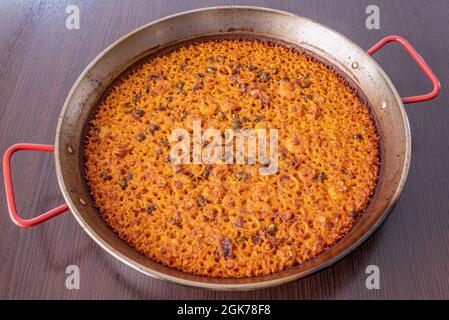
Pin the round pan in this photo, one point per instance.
(355, 64)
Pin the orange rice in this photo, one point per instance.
(228, 220)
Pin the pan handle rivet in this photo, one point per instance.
(355, 65)
(70, 149)
(383, 105)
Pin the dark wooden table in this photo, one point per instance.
(40, 60)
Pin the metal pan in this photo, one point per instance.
(345, 56)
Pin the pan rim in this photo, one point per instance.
(218, 283)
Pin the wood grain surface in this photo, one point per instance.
(40, 60)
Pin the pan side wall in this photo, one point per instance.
(315, 38)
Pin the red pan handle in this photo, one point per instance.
(421, 63)
(10, 200)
